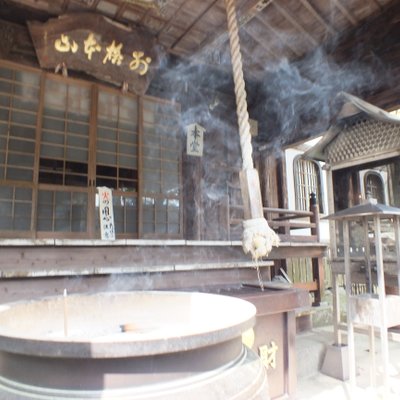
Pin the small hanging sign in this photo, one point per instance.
(194, 140)
(253, 127)
(107, 227)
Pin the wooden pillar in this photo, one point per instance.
(397, 236)
(317, 263)
(193, 210)
(251, 194)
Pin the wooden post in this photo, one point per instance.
(192, 191)
(224, 218)
(251, 194)
(314, 208)
(317, 264)
(397, 236)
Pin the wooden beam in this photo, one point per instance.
(251, 194)
(378, 5)
(245, 14)
(145, 15)
(121, 9)
(306, 4)
(279, 36)
(262, 43)
(65, 6)
(169, 22)
(247, 53)
(293, 21)
(190, 27)
(94, 4)
(250, 10)
(310, 286)
(350, 17)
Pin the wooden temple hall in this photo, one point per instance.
(160, 168)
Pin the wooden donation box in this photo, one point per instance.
(273, 336)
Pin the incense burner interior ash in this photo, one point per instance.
(129, 345)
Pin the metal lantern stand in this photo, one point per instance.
(374, 312)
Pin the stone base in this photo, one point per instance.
(336, 362)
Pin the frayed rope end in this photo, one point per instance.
(258, 238)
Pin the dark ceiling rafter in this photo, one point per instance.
(263, 43)
(170, 21)
(121, 9)
(145, 15)
(197, 30)
(65, 5)
(251, 9)
(279, 36)
(255, 63)
(194, 23)
(94, 4)
(306, 4)
(345, 12)
(378, 5)
(286, 14)
(245, 13)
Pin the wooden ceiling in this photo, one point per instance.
(270, 30)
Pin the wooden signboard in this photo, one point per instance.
(97, 46)
(194, 140)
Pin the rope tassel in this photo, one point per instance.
(258, 237)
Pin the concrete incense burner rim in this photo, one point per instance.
(129, 345)
(122, 324)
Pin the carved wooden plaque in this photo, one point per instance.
(98, 46)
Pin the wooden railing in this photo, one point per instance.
(284, 222)
(299, 232)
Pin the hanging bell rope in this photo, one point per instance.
(258, 237)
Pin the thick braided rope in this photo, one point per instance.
(258, 237)
(240, 91)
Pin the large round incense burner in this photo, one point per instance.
(129, 345)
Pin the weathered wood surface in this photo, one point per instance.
(75, 259)
(16, 43)
(31, 288)
(251, 194)
(270, 31)
(99, 47)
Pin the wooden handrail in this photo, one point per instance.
(293, 213)
(285, 220)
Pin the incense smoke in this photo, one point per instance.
(299, 99)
